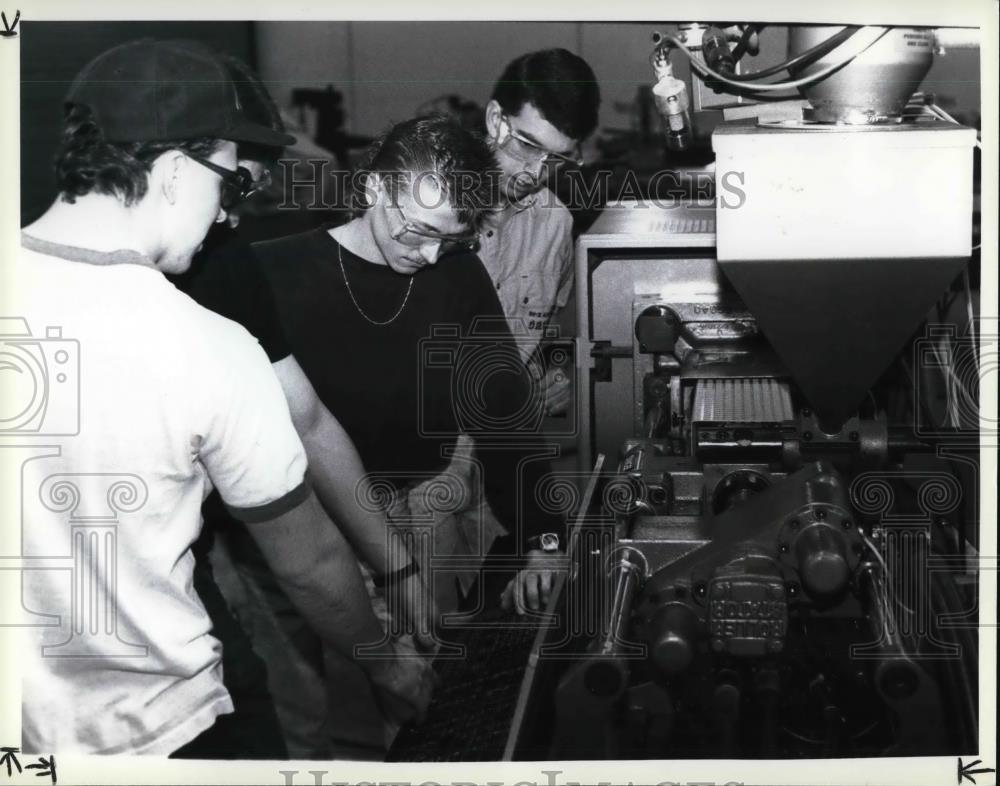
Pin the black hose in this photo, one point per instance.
(810, 54)
(741, 46)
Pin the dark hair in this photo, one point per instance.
(459, 159)
(558, 84)
(87, 163)
(257, 105)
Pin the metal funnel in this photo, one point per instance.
(840, 239)
(838, 323)
(875, 86)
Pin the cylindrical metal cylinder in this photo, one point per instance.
(673, 638)
(625, 573)
(822, 557)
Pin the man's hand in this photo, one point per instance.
(412, 601)
(556, 390)
(403, 684)
(531, 587)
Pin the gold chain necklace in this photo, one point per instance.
(357, 305)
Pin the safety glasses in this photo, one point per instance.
(528, 151)
(410, 234)
(237, 184)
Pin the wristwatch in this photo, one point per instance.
(547, 541)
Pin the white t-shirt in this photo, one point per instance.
(528, 252)
(172, 399)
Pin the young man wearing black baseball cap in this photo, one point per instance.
(172, 399)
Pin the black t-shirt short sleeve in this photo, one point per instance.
(226, 278)
(406, 363)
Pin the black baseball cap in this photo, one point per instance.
(161, 91)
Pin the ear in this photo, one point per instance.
(494, 113)
(164, 176)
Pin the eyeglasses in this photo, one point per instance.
(237, 184)
(527, 151)
(410, 234)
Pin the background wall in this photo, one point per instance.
(387, 69)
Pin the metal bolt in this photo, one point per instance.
(846, 523)
(807, 436)
(783, 548)
(793, 589)
(794, 523)
(820, 514)
(699, 590)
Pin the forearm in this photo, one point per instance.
(318, 571)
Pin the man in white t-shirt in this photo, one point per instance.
(173, 399)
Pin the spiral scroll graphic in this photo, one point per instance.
(939, 494)
(59, 494)
(374, 495)
(620, 496)
(128, 494)
(557, 494)
(872, 493)
(446, 494)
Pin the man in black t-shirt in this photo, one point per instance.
(223, 280)
(398, 330)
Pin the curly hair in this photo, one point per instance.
(87, 163)
(558, 84)
(458, 159)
